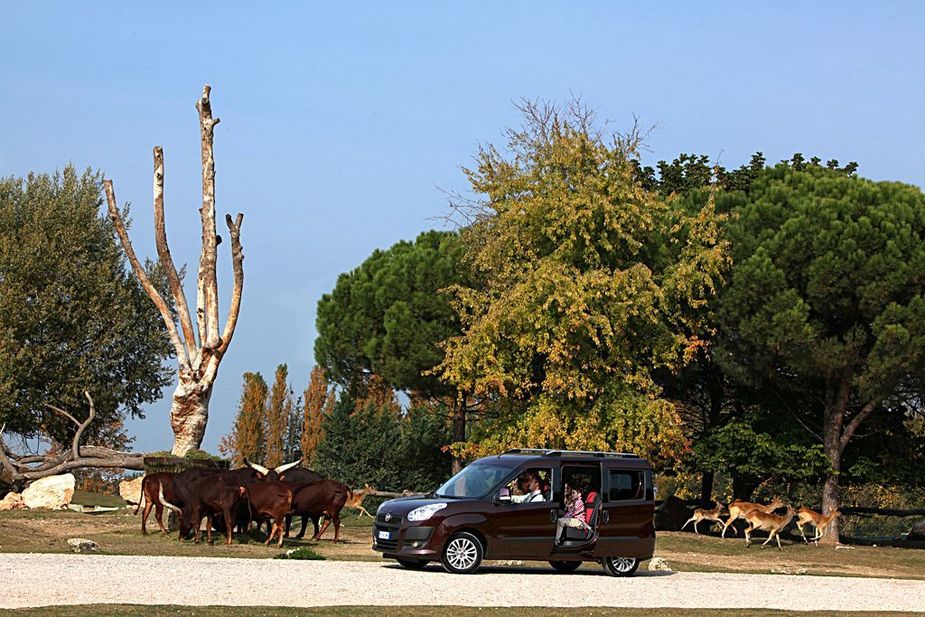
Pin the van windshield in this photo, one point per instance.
(473, 481)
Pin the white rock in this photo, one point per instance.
(510, 563)
(12, 501)
(51, 493)
(130, 490)
(657, 564)
(82, 545)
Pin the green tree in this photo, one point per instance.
(249, 437)
(278, 410)
(71, 317)
(591, 282)
(387, 318)
(826, 298)
(317, 402)
(373, 444)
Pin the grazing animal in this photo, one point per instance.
(772, 523)
(738, 509)
(705, 514)
(151, 485)
(272, 500)
(819, 521)
(355, 500)
(208, 496)
(325, 498)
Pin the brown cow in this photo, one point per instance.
(206, 497)
(150, 486)
(325, 498)
(272, 499)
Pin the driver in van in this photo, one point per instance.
(534, 488)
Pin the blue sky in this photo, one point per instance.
(343, 122)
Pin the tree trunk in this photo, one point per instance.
(459, 429)
(743, 487)
(832, 446)
(706, 489)
(188, 416)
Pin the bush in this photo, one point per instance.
(303, 552)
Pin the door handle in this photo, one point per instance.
(553, 516)
(605, 517)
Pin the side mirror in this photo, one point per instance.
(504, 495)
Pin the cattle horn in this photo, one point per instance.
(256, 467)
(284, 468)
(164, 502)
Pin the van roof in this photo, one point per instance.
(518, 455)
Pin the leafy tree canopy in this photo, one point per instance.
(388, 316)
(71, 317)
(590, 283)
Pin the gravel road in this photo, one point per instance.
(54, 579)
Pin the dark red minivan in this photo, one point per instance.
(508, 507)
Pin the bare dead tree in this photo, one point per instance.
(198, 357)
(32, 467)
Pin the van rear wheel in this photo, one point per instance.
(620, 566)
(462, 553)
(565, 566)
(412, 564)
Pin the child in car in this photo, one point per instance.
(574, 514)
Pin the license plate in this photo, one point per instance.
(384, 535)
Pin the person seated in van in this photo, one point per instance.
(534, 488)
(574, 514)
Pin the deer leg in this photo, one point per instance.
(777, 537)
(800, 527)
(748, 536)
(729, 522)
(686, 523)
(770, 537)
(363, 511)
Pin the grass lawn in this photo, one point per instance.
(119, 533)
(117, 610)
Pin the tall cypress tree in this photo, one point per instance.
(248, 439)
(277, 417)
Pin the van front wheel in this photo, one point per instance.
(621, 566)
(462, 553)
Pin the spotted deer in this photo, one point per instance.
(738, 509)
(705, 514)
(355, 500)
(764, 521)
(806, 516)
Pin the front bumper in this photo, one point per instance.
(393, 539)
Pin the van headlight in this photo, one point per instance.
(425, 512)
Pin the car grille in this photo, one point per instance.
(395, 519)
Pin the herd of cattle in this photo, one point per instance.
(234, 499)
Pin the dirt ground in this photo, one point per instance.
(119, 533)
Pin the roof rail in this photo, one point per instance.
(545, 452)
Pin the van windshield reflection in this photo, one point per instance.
(473, 481)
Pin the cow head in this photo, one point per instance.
(277, 473)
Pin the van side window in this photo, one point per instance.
(625, 485)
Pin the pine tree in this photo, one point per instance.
(277, 417)
(248, 437)
(317, 402)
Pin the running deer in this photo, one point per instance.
(705, 514)
(764, 521)
(355, 500)
(739, 509)
(806, 516)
